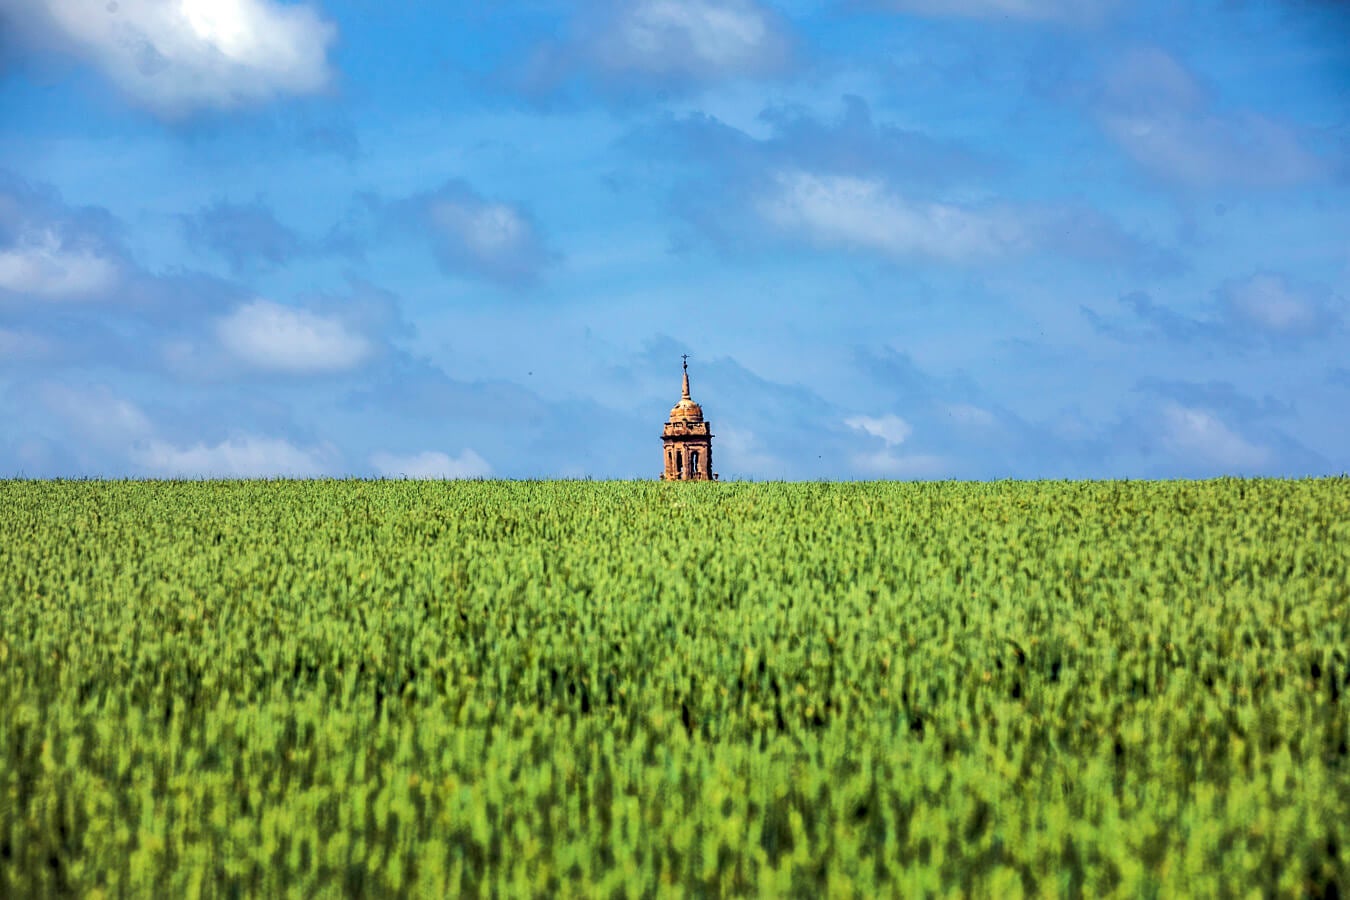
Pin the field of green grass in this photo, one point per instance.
(646, 690)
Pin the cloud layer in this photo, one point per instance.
(854, 185)
(177, 57)
(858, 213)
(697, 39)
(625, 50)
(1159, 114)
(1066, 12)
(276, 338)
(50, 251)
(247, 235)
(1260, 309)
(249, 456)
(44, 264)
(473, 235)
(431, 464)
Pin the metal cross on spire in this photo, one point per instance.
(685, 357)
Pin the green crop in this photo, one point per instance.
(651, 690)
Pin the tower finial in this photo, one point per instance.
(685, 394)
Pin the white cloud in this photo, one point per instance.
(431, 464)
(738, 452)
(277, 338)
(1070, 12)
(1268, 302)
(1159, 114)
(1208, 150)
(472, 234)
(34, 454)
(41, 264)
(1198, 435)
(493, 233)
(886, 462)
(244, 457)
(862, 213)
(96, 417)
(1148, 77)
(96, 413)
(966, 414)
(900, 465)
(892, 429)
(174, 56)
(691, 37)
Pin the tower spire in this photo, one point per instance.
(685, 394)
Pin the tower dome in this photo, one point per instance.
(687, 409)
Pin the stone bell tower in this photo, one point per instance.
(688, 440)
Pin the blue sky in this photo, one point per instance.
(897, 238)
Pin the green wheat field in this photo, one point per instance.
(625, 689)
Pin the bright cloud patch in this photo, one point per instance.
(174, 56)
(1272, 305)
(244, 457)
(862, 213)
(1158, 114)
(96, 413)
(966, 414)
(476, 235)
(692, 37)
(277, 338)
(1063, 11)
(1265, 307)
(889, 464)
(431, 464)
(490, 232)
(890, 428)
(42, 264)
(1197, 435)
(741, 453)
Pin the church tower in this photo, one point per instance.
(688, 440)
